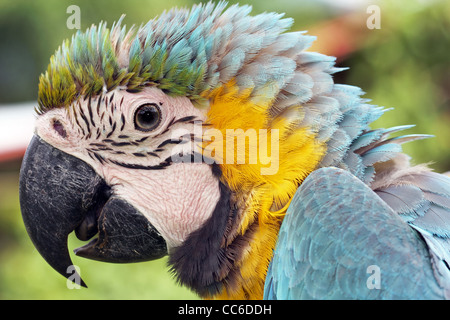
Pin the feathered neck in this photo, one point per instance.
(229, 256)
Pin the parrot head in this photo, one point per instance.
(126, 151)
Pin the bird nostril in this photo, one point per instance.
(58, 127)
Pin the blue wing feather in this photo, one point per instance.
(427, 210)
(336, 227)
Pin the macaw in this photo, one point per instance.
(214, 137)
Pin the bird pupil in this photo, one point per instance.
(147, 117)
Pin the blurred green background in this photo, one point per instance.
(405, 65)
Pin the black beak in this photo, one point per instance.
(60, 193)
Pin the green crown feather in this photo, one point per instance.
(182, 52)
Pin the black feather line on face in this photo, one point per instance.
(122, 118)
(119, 144)
(185, 119)
(141, 140)
(91, 115)
(138, 154)
(99, 99)
(97, 144)
(83, 116)
(160, 166)
(153, 154)
(112, 130)
(77, 122)
(171, 141)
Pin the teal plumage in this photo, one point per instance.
(376, 209)
(335, 229)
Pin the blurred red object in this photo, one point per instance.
(16, 130)
(341, 36)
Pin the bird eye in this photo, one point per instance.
(147, 117)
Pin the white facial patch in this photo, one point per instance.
(177, 198)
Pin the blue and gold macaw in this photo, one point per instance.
(214, 137)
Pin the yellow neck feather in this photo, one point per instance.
(292, 153)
